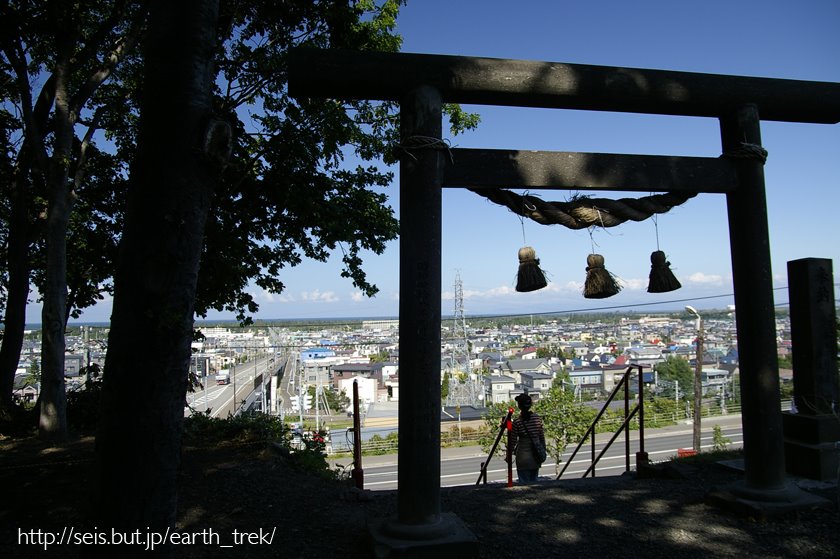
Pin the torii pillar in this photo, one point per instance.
(421, 83)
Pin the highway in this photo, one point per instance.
(461, 466)
(219, 398)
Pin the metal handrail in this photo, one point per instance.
(504, 426)
(641, 456)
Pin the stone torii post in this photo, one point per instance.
(421, 83)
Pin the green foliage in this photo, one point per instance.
(612, 419)
(380, 357)
(456, 437)
(337, 401)
(288, 193)
(786, 362)
(378, 445)
(444, 386)
(677, 369)
(202, 429)
(565, 420)
(492, 417)
(310, 454)
(660, 412)
(34, 375)
(18, 420)
(719, 442)
(786, 390)
(83, 405)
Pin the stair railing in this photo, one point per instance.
(639, 408)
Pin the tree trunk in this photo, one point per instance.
(180, 151)
(14, 318)
(53, 400)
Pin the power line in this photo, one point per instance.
(348, 322)
(614, 307)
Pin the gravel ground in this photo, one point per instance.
(251, 489)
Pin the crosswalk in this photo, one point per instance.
(199, 401)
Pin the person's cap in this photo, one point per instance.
(523, 400)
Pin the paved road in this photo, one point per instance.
(219, 398)
(461, 466)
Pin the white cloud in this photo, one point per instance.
(564, 288)
(264, 297)
(318, 296)
(705, 279)
(635, 284)
(357, 296)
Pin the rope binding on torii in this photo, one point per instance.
(582, 211)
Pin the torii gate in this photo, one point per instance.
(421, 83)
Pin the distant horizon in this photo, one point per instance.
(444, 317)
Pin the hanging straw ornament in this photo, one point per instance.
(662, 279)
(530, 276)
(600, 283)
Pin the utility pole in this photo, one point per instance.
(233, 370)
(676, 394)
(205, 369)
(301, 391)
(698, 372)
(317, 407)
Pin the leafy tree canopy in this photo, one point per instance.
(304, 180)
(677, 369)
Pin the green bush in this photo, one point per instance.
(83, 406)
(202, 429)
(18, 420)
(719, 442)
(378, 445)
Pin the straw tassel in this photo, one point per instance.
(662, 279)
(600, 283)
(530, 276)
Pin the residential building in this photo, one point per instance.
(536, 382)
(498, 388)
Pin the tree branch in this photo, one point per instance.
(16, 55)
(121, 48)
(80, 166)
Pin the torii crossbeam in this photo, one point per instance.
(422, 83)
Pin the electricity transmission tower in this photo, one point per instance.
(460, 341)
(462, 391)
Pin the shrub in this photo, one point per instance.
(83, 405)
(201, 428)
(719, 442)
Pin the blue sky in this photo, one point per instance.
(769, 38)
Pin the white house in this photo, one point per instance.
(367, 389)
(499, 388)
(644, 355)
